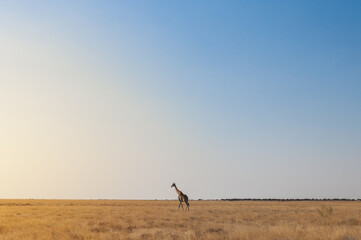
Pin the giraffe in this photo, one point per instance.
(181, 197)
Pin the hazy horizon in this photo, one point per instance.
(231, 99)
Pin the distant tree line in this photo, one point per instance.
(289, 199)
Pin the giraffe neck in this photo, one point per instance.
(177, 190)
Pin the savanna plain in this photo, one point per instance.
(123, 219)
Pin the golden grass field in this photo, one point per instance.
(117, 219)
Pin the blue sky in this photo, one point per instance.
(118, 99)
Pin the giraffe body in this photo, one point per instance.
(181, 197)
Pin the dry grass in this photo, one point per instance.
(101, 219)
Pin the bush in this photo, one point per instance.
(326, 213)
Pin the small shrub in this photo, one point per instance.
(326, 213)
(215, 230)
(347, 237)
(350, 222)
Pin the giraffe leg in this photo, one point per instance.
(182, 206)
(179, 205)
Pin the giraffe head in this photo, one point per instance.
(173, 185)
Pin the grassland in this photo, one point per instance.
(113, 219)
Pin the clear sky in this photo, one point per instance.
(229, 99)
